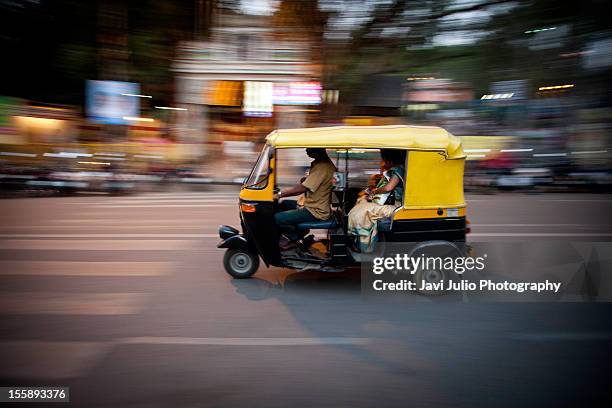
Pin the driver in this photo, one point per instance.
(315, 202)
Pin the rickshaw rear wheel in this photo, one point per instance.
(240, 263)
(438, 249)
(431, 276)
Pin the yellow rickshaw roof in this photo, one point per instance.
(370, 137)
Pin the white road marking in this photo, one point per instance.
(564, 336)
(246, 341)
(537, 225)
(539, 234)
(160, 205)
(97, 245)
(165, 236)
(124, 221)
(179, 196)
(50, 360)
(167, 200)
(106, 227)
(78, 268)
(575, 200)
(57, 303)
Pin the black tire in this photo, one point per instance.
(431, 276)
(435, 249)
(240, 264)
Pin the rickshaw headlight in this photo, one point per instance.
(249, 208)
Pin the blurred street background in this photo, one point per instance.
(119, 97)
(127, 127)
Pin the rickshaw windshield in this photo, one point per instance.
(258, 179)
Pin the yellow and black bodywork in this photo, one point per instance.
(433, 207)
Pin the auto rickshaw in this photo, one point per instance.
(433, 210)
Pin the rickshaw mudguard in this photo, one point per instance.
(235, 242)
(231, 238)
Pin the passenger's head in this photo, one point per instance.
(316, 153)
(392, 157)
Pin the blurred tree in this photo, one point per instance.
(51, 48)
(475, 41)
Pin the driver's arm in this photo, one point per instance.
(293, 191)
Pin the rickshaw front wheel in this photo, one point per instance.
(240, 263)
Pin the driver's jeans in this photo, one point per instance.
(289, 215)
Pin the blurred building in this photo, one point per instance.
(247, 78)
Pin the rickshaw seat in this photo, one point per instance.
(323, 224)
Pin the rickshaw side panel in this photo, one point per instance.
(419, 230)
(433, 181)
(261, 230)
(259, 225)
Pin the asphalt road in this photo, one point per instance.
(125, 300)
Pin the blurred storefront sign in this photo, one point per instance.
(258, 99)
(598, 55)
(46, 124)
(548, 38)
(108, 102)
(236, 76)
(224, 93)
(297, 93)
(437, 90)
(518, 89)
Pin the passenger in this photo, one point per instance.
(315, 202)
(379, 202)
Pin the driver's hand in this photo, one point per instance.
(276, 196)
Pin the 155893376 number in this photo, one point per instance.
(37, 393)
(8, 394)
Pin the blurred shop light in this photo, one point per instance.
(539, 30)
(225, 93)
(298, 93)
(137, 95)
(575, 54)
(330, 96)
(138, 119)
(549, 154)
(18, 154)
(591, 152)
(170, 108)
(422, 106)
(498, 96)
(67, 155)
(111, 154)
(258, 98)
(93, 162)
(515, 150)
(476, 150)
(550, 88)
(38, 122)
(420, 78)
(110, 158)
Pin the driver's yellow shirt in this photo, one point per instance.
(317, 199)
